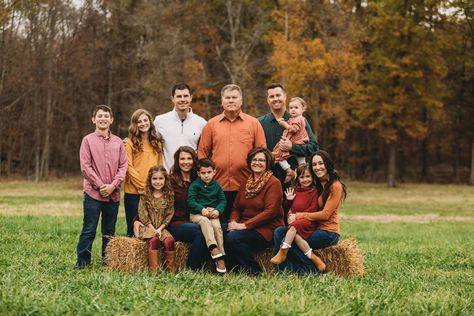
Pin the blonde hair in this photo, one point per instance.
(301, 101)
(135, 136)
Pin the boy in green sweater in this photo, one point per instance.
(206, 201)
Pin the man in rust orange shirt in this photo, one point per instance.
(227, 139)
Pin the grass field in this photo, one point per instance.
(412, 267)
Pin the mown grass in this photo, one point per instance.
(410, 268)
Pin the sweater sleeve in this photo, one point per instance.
(295, 126)
(194, 206)
(222, 201)
(143, 212)
(332, 204)
(272, 204)
(133, 173)
(305, 150)
(235, 212)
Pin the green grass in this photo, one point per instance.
(410, 268)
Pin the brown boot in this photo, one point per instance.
(320, 265)
(169, 261)
(280, 256)
(153, 259)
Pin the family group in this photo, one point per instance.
(229, 187)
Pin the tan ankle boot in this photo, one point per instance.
(170, 261)
(280, 256)
(153, 259)
(320, 265)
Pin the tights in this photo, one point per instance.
(168, 243)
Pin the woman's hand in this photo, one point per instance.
(236, 226)
(290, 194)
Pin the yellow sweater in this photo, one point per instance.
(138, 165)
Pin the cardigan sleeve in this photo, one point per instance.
(272, 203)
(332, 204)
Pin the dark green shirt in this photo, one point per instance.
(273, 132)
(201, 195)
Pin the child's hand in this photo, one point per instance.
(106, 190)
(205, 212)
(158, 232)
(215, 214)
(290, 194)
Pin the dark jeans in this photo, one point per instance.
(130, 201)
(191, 233)
(92, 209)
(229, 197)
(296, 261)
(240, 246)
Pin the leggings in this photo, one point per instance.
(154, 243)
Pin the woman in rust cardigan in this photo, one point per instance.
(256, 212)
(331, 192)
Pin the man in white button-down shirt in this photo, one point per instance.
(180, 126)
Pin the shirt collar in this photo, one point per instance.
(241, 116)
(286, 116)
(190, 112)
(98, 134)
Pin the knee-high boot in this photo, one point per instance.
(154, 259)
(170, 261)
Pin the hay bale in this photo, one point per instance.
(130, 255)
(343, 259)
(127, 254)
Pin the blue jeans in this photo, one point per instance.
(296, 261)
(240, 246)
(92, 209)
(130, 201)
(191, 233)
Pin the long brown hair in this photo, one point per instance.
(135, 136)
(176, 175)
(168, 193)
(332, 176)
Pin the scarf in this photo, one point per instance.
(253, 187)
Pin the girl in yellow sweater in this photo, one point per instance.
(144, 150)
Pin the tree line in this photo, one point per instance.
(389, 83)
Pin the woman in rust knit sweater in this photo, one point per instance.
(256, 212)
(331, 192)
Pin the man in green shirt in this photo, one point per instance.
(276, 99)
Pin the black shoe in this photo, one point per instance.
(79, 266)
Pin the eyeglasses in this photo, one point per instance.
(259, 160)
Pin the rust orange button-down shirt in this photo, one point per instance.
(227, 143)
